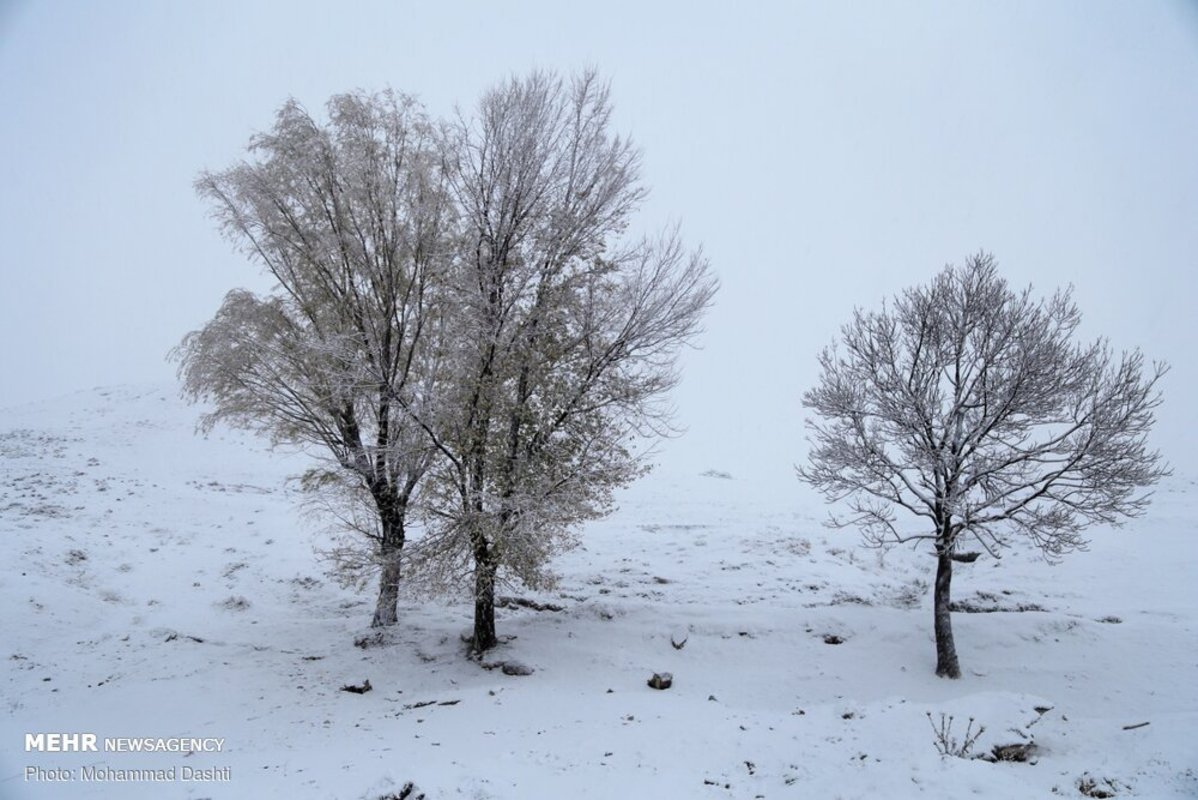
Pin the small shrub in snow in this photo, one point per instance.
(515, 668)
(797, 545)
(368, 640)
(842, 598)
(947, 744)
(1018, 752)
(408, 792)
(237, 603)
(1100, 787)
(1015, 743)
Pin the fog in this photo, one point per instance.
(824, 155)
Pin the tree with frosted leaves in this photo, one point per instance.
(352, 219)
(969, 408)
(566, 329)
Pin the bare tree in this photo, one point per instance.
(970, 406)
(566, 333)
(353, 221)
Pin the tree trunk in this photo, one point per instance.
(484, 603)
(386, 610)
(946, 650)
(391, 515)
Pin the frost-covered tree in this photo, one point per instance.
(352, 219)
(970, 407)
(565, 333)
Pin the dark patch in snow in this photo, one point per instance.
(716, 473)
(408, 792)
(237, 603)
(1019, 752)
(1098, 787)
(986, 603)
(524, 602)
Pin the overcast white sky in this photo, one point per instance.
(826, 155)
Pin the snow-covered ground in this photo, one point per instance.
(156, 583)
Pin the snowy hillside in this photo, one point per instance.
(160, 584)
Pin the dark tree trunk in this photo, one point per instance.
(391, 515)
(484, 602)
(386, 610)
(946, 650)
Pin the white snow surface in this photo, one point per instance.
(159, 583)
